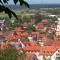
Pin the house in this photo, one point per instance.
(56, 55)
(58, 27)
(52, 15)
(39, 24)
(1, 25)
(48, 52)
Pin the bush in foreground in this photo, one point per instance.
(12, 54)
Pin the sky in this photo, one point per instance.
(41, 1)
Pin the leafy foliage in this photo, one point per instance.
(7, 11)
(50, 36)
(3, 8)
(8, 54)
(12, 54)
(39, 17)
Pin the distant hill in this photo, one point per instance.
(35, 6)
(45, 6)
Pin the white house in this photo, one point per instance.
(52, 15)
(58, 27)
(56, 55)
(2, 24)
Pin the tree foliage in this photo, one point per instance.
(39, 17)
(50, 36)
(8, 54)
(12, 54)
(5, 9)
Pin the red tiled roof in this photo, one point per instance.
(41, 23)
(56, 43)
(18, 29)
(33, 33)
(25, 34)
(10, 37)
(44, 20)
(49, 43)
(10, 32)
(17, 37)
(31, 48)
(33, 43)
(48, 49)
(1, 33)
(18, 33)
(45, 50)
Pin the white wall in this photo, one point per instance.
(53, 57)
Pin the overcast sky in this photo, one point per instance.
(41, 1)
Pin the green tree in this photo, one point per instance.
(8, 54)
(50, 35)
(12, 54)
(5, 9)
(8, 24)
(38, 17)
(58, 58)
(11, 25)
(22, 55)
